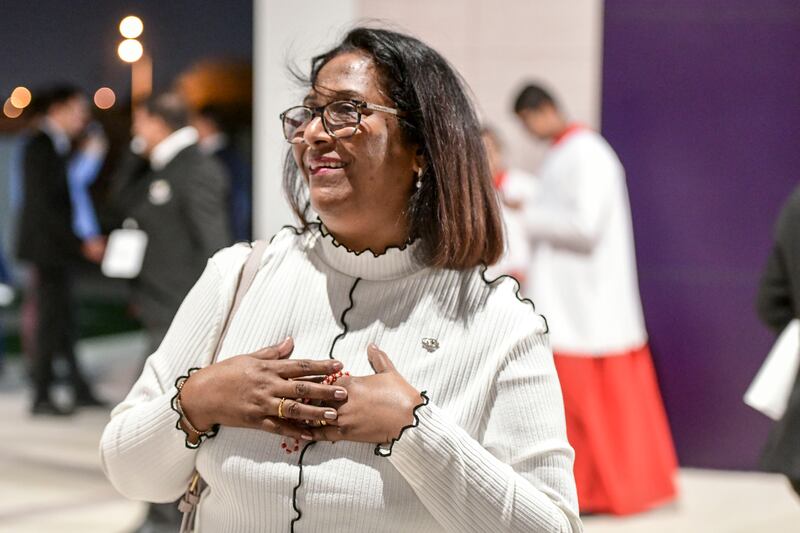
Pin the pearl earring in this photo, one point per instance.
(419, 178)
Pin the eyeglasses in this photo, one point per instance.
(340, 119)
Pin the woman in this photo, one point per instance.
(451, 416)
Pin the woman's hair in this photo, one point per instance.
(455, 213)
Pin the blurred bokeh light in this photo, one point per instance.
(20, 97)
(10, 110)
(104, 98)
(130, 50)
(131, 27)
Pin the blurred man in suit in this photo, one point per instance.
(215, 139)
(47, 241)
(179, 197)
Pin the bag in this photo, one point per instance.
(188, 503)
(124, 253)
(772, 386)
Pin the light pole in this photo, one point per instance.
(131, 51)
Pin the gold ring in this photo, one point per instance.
(323, 423)
(280, 409)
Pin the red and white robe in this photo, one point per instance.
(583, 279)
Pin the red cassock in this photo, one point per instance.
(583, 280)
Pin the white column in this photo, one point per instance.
(285, 33)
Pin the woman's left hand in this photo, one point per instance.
(377, 408)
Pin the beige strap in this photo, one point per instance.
(246, 277)
(188, 503)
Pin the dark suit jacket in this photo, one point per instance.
(45, 234)
(241, 193)
(778, 304)
(183, 210)
(779, 292)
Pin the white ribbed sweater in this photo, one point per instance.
(489, 452)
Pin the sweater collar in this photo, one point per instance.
(396, 262)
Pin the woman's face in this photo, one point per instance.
(359, 185)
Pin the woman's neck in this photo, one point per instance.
(375, 239)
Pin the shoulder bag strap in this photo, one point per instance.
(188, 503)
(246, 277)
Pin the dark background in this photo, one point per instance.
(76, 40)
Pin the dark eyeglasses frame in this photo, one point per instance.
(319, 111)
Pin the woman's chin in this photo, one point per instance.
(328, 203)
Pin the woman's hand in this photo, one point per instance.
(378, 407)
(246, 391)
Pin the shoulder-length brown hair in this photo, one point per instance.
(455, 214)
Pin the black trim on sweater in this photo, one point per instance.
(327, 234)
(307, 446)
(484, 268)
(174, 405)
(296, 487)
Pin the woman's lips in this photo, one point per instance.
(325, 167)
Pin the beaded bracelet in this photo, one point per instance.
(187, 425)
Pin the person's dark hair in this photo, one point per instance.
(55, 95)
(455, 214)
(169, 107)
(533, 97)
(215, 114)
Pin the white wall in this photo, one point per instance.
(285, 32)
(497, 45)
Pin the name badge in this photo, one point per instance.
(160, 192)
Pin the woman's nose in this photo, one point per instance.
(315, 133)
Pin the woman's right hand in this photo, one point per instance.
(246, 391)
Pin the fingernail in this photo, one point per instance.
(372, 346)
(287, 339)
(337, 366)
(340, 394)
(330, 415)
(306, 436)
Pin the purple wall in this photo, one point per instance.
(701, 99)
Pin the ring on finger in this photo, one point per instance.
(280, 409)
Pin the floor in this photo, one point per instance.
(52, 481)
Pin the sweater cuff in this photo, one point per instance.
(385, 450)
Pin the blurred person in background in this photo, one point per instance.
(48, 243)
(6, 297)
(515, 188)
(25, 276)
(214, 139)
(583, 278)
(778, 303)
(83, 167)
(82, 171)
(178, 196)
